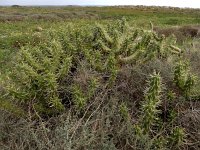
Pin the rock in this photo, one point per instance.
(39, 29)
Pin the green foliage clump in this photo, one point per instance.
(37, 75)
(129, 45)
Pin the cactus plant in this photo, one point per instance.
(152, 101)
(36, 77)
(183, 79)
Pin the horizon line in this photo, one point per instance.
(52, 5)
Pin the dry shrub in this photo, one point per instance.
(46, 17)
(181, 33)
(189, 31)
(11, 18)
(190, 120)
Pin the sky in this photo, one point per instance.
(174, 3)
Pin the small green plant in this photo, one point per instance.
(124, 111)
(183, 78)
(159, 143)
(177, 137)
(79, 98)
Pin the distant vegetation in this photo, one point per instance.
(140, 14)
(87, 78)
(16, 6)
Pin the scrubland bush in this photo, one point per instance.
(89, 88)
